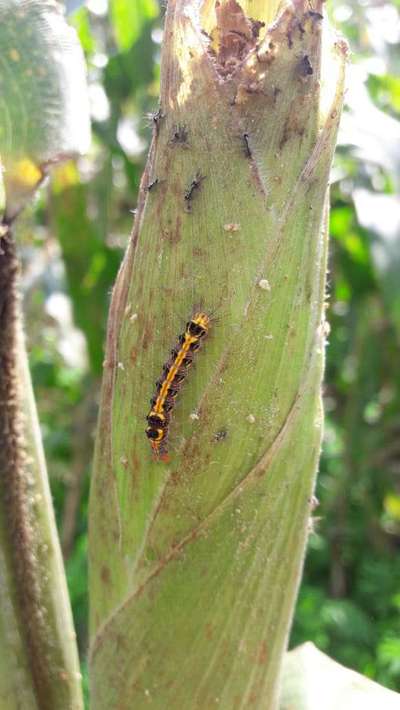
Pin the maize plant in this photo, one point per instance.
(42, 83)
(198, 530)
(201, 498)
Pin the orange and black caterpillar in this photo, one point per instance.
(174, 372)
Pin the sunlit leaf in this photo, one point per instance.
(128, 19)
(386, 90)
(80, 20)
(90, 265)
(392, 505)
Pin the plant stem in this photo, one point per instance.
(195, 564)
(42, 668)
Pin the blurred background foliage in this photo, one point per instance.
(73, 238)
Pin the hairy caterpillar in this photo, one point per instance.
(170, 382)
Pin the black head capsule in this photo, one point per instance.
(196, 330)
(198, 326)
(156, 435)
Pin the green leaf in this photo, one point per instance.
(386, 91)
(195, 563)
(80, 20)
(90, 265)
(128, 19)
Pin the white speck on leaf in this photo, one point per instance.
(264, 284)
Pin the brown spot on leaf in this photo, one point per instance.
(173, 235)
(175, 479)
(262, 655)
(105, 575)
(147, 336)
(133, 355)
(293, 127)
(234, 36)
(209, 632)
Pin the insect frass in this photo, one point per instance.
(170, 382)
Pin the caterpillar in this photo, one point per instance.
(169, 384)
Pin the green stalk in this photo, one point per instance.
(195, 563)
(43, 120)
(41, 667)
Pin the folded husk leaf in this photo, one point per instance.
(195, 563)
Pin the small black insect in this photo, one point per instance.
(194, 185)
(305, 67)
(315, 15)
(247, 149)
(153, 184)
